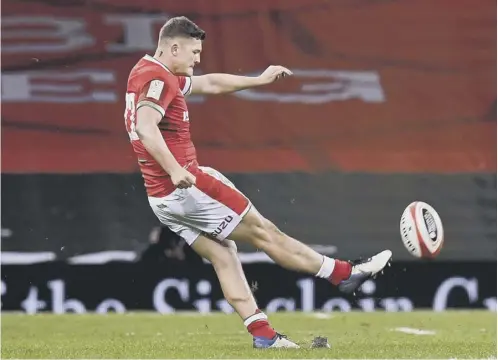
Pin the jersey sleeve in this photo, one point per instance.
(158, 94)
(185, 83)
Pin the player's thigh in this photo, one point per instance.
(256, 230)
(250, 229)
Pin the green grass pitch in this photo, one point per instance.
(465, 334)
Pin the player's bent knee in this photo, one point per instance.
(222, 258)
(253, 230)
(230, 244)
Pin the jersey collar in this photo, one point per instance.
(150, 58)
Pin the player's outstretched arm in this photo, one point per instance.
(227, 83)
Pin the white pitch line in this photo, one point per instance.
(321, 315)
(413, 331)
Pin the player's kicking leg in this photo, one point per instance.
(292, 254)
(249, 226)
(223, 256)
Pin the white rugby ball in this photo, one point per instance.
(421, 230)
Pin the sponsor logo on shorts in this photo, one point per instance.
(222, 226)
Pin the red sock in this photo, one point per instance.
(259, 326)
(342, 271)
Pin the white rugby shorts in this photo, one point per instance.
(213, 206)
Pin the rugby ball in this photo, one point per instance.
(422, 230)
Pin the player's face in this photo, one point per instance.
(188, 55)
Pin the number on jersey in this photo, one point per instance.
(130, 116)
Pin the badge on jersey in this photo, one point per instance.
(155, 89)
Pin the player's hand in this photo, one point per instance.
(274, 73)
(182, 178)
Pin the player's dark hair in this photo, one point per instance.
(181, 26)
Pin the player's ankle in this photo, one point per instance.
(258, 325)
(334, 270)
(342, 271)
